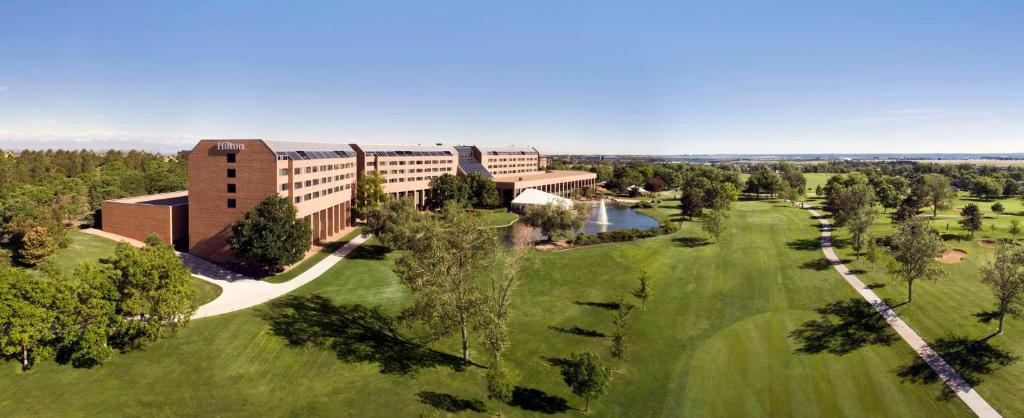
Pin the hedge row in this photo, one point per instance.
(627, 234)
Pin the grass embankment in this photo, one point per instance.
(713, 341)
(313, 259)
(86, 247)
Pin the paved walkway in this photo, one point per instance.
(241, 292)
(956, 383)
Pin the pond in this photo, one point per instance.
(617, 217)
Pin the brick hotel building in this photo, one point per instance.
(227, 177)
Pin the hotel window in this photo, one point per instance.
(309, 183)
(309, 170)
(231, 173)
(231, 203)
(284, 186)
(284, 172)
(231, 158)
(231, 187)
(298, 199)
(298, 185)
(298, 171)
(307, 196)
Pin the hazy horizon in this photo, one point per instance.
(658, 78)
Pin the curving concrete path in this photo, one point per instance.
(957, 384)
(241, 292)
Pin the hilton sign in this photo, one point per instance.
(228, 146)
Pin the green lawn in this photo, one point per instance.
(497, 217)
(947, 309)
(312, 260)
(714, 341)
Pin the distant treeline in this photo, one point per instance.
(43, 192)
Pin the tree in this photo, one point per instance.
(270, 234)
(643, 290)
(620, 319)
(1005, 276)
(446, 188)
(935, 190)
(26, 317)
(986, 188)
(871, 251)
(482, 191)
(764, 180)
(34, 245)
(1014, 228)
(892, 190)
(971, 215)
(88, 318)
(914, 247)
(500, 386)
(154, 296)
(503, 277)
(851, 201)
(998, 209)
(691, 199)
(441, 268)
(554, 219)
(1010, 187)
(392, 222)
(713, 222)
(794, 178)
(858, 223)
(587, 376)
(369, 193)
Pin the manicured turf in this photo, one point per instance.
(313, 259)
(949, 308)
(713, 341)
(497, 217)
(84, 247)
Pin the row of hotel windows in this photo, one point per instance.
(510, 165)
(314, 195)
(315, 169)
(316, 182)
(402, 180)
(418, 170)
(512, 159)
(374, 163)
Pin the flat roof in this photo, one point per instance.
(507, 149)
(285, 146)
(160, 199)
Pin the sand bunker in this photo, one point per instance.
(952, 256)
(987, 243)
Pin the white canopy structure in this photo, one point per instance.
(533, 197)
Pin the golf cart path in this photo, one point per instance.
(957, 384)
(241, 292)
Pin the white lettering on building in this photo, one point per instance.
(228, 146)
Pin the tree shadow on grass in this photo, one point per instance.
(844, 326)
(873, 286)
(611, 306)
(814, 244)
(690, 242)
(355, 333)
(451, 403)
(536, 400)
(987, 316)
(369, 252)
(583, 332)
(818, 264)
(970, 358)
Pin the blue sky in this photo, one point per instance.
(564, 76)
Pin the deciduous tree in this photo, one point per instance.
(914, 248)
(587, 376)
(858, 223)
(1005, 276)
(643, 290)
(447, 188)
(441, 269)
(713, 222)
(270, 234)
(369, 193)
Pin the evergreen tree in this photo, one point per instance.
(971, 215)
